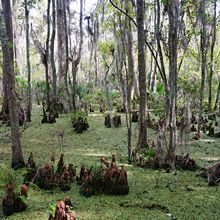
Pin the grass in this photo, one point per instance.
(185, 195)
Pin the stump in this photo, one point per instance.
(80, 125)
(116, 121)
(134, 116)
(12, 203)
(213, 174)
(108, 121)
(106, 179)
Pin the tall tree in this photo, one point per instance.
(68, 96)
(61, 41)
(52, 58)
(217, 97)
(44, 54)
(8, 63)
(46, 57)
(203, 57)
(212, 61)
(129, 34)
(76, 56)
(142, 139)
(173, 28)
(29, 101)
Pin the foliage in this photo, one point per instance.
(8, 175)
(76, 114)
(107, 47)
(148, 154)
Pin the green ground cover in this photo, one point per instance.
(180, 196)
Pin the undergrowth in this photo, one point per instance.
(182, 194)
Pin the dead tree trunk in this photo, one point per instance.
(8, 62)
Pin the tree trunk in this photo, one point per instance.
(217, 97)
(142, 139)
(160, 53)
(61, 41)
(29, 98)
(8, 62)
(129, 50)
(173, 16)
(68, 96)
(76, 61)
(46, 60)
(120, 60)
(52, 59)
(203, 58)
(212, 56)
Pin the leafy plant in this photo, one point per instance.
(76, 114)
(8, 175)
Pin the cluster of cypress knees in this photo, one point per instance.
(107, 178)
(63, 210)
(116, 121)
(80, 124)
(208, 125)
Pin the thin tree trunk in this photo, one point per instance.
(66, 57)
(8, 62)
(46, 60)
(52, 59)
(129, 50)
(75, 62)
(217, 97)
(203, 58)
(142, 139)
(212, 56)
(61, 41)
(162, 65)
(120, 60)
(29, 96)
(173, 16)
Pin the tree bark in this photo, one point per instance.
(68, 96)
(217, 97)
(8, 62)
(142, 138)
(173, 17)
(52, 59)
(61, 41)
(203, 56)
(212, 56)
(46, 60)
(131, 73)
(76, 60)
(29, 97)
(160, 53)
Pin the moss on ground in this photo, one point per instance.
(185, 195)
